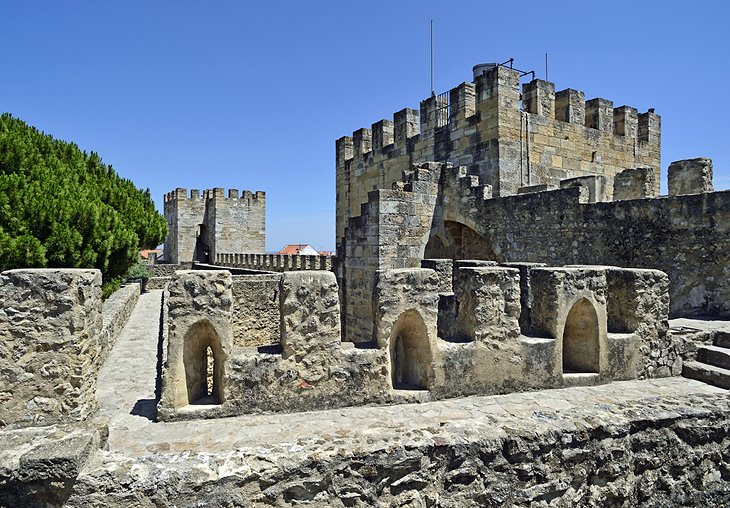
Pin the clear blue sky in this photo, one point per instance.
(253, 95)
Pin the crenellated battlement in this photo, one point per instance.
(182, 194)
(509, 133)
(451, 109)
(200, 224)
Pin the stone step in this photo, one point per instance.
(714, 355)
(572, 379)
(707, 373)
(722, 339)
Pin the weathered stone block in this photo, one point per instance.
(599, 114)
(525, 270)
(310, 313)
(538, 97)
(51, 347)
(488, 303)
(570, 106)
(400, 290)
(690, 176)
(595, 186)
(199, 340)
(638, 301)
(569, 305)
(635, 183)
(406, 313)
(444, 269)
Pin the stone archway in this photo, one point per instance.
(581, 344)
(204, 364)
(410, 353)
(458, 241)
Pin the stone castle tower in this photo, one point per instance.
(199, 227)
(510, 140)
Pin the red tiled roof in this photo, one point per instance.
(295, 248)
(146, 253)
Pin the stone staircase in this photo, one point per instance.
(713, 363)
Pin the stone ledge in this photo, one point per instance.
(115, 312)
(659, 442)
(39, 465)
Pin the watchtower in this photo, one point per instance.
(201, 225)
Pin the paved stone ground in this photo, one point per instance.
(126, 385)
(126, 393)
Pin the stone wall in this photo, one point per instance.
(480, 125)
(169, 269)
(213, 222)
(557, 448)
(307, 366)
(115, 312)
(184, 213)
(685, 236)
(391, 233)
(198, 340)
(51, 346)
(311, 369)
(256, 310)
(275, 262)
(236, 223)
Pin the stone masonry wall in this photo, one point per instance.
(236, 223)
(686, 236)
(391, 233)
(50, 345)
(554, 448)
(184, 215)
(275, 262)
(311, 369)
(256, 310)
(115, 313)
(480, 126)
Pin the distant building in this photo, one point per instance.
(302, 249)
(199, 227)
(150, 254)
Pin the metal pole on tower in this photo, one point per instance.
(433, 92)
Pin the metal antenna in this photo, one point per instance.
(432, 87)
(546, 68)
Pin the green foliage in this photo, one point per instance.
(61, 207)
(138, 271)
(107, 289)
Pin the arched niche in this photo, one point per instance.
(410, 353)
(581, 345)
(458, 241)
(204, 364)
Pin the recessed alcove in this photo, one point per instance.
(204, 365)
(410, 353)
(581, 345)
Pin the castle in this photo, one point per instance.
(498, 241)
(510, 140)
(199, 227)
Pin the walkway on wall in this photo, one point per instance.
(126, 385)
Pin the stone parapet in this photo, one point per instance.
(115, 313)
(51, 345)
(662, 443)
(690, 176)
(275, 262)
